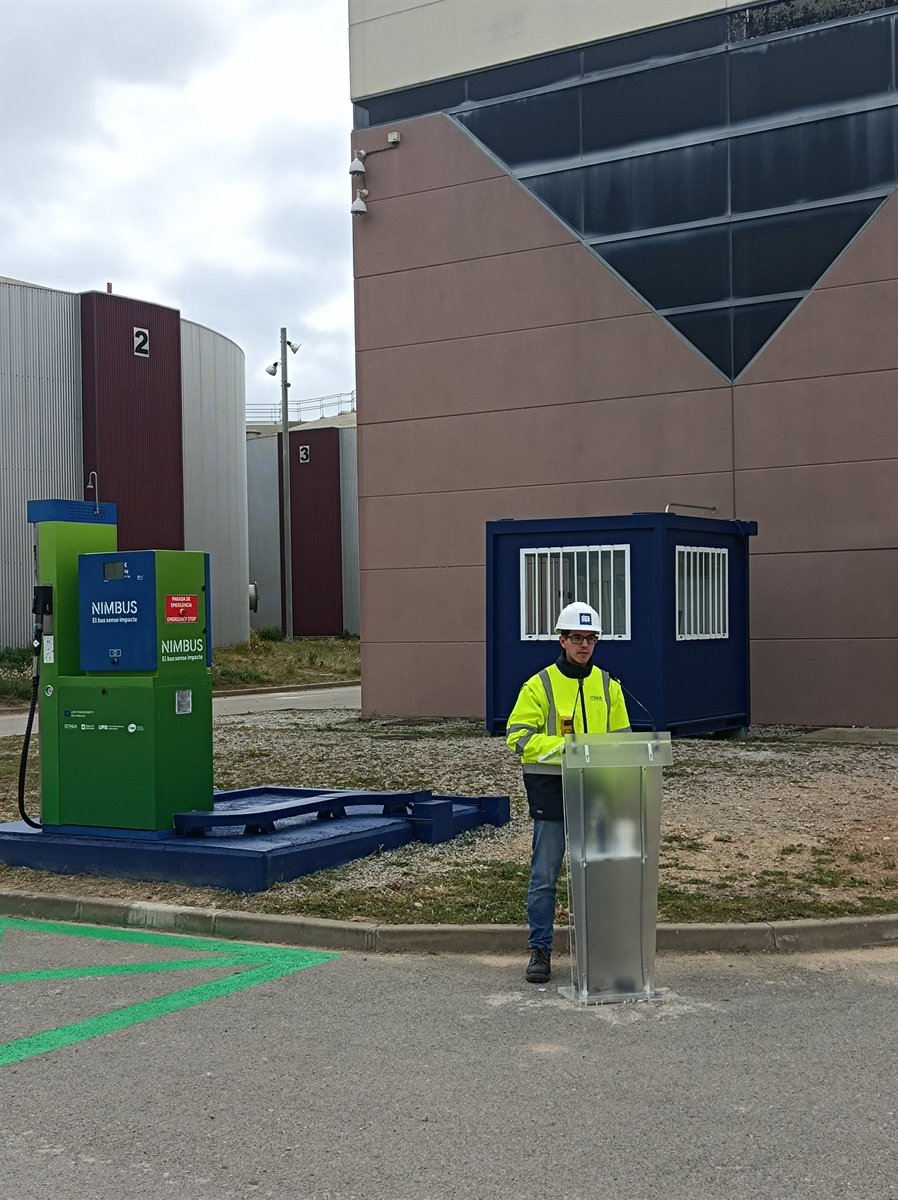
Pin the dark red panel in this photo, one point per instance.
(316, 531)
(132, 417)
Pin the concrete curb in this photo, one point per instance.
(777, 937)
(224, 693)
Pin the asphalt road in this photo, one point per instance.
(429, 1078)
(346, 696)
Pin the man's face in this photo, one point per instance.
(577, 647)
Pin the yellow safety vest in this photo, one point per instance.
(549, 705)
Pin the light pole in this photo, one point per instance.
(285, 471)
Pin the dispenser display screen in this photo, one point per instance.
(113, 570)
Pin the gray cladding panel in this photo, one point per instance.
(263, 489)
(215, 501)
(349, 528)
(40, 416)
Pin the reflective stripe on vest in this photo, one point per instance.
(521, 743)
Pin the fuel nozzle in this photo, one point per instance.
(42, 605)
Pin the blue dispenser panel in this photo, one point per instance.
(117, 602)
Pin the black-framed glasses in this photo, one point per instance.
(582, 639)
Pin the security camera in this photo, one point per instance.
(273, 369)
(357, 166)
(358, 208)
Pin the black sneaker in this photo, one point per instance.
(540, 966)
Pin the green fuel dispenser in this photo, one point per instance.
(125, 682)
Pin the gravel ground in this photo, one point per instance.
(737, 814)
(730, 806)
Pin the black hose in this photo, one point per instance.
(23, 761)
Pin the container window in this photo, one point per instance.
(552, 577)
(702, 593)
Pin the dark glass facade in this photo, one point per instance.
(718, 165)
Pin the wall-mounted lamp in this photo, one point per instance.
(358, 208)
(273, 369)
(357, 166)
(357, 170)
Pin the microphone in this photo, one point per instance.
(636, 700)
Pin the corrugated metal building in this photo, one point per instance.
(123, 394)
(324, 526)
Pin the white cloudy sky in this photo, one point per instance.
(194, 153)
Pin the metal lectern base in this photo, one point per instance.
(609, 997)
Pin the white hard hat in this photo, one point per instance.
(578, 616)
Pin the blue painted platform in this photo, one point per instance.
(256, 837)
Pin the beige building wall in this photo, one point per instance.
(504, 372)
(451, 37)
(816, 437)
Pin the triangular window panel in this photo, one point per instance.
(720, 175)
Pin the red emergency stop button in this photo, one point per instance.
(181, 610)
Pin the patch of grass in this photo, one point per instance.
(484, 892)
(683, 841)
(234, 676)
(260, 662)
(790, 848)
(15, 656)
(264, 662)
(15, 675)
(480, 893)
(826, 877)
(679, 904)
(723, 837)
(271, 633)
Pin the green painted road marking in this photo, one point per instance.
(256, 965)
(149, 968)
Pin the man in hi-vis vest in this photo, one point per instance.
(570, 696)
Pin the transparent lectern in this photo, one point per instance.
(612, 817)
